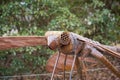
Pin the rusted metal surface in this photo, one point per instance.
(114, 52)
(82, 46)
(21, 41)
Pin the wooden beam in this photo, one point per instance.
(21, 41)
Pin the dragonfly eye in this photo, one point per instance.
(64, 38)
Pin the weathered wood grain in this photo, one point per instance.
(21, 41)
(60, 65)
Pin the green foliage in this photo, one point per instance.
(95, 19)
(99, 22)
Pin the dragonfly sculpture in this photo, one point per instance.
(67, 43)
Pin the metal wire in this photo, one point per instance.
(56, 62)
(65, 66)
(70, 78)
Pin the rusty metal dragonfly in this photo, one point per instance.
(68, 43)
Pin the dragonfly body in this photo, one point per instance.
(81, 46)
